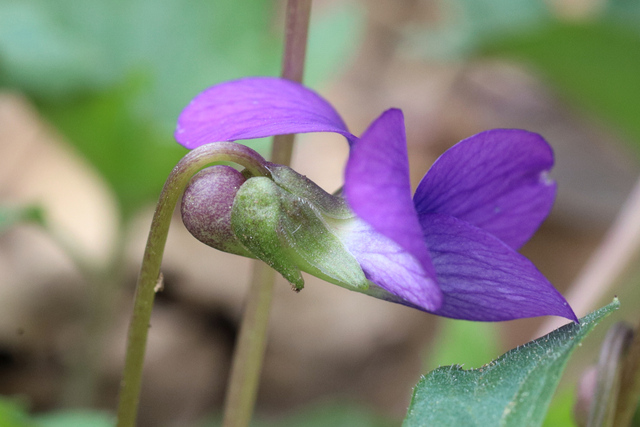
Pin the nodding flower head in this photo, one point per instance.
(451, 249)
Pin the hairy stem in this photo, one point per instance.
(249, 353)
(150, 270)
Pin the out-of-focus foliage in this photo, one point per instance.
(457, 337)
(11, 215)
(594, 64)
(594, 61)
(108, 73)
(327, 52)
(335, 415)
(14, 414)
(114, 75)
(513, 390)
(464, 26)
(323, 415)
(561, 410)
(75, 418)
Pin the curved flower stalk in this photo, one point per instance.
(450, 250)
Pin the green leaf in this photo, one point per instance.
(513, 390)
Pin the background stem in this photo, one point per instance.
(629, 394)
(249, 353)
(605, 266)
(295, 50)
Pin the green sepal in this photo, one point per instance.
(289, 233)
(255, 219)
(330, 205)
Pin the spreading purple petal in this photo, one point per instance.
(396, 274)
(496, 180)
(377, 186)
(484, 279)
(254, 108)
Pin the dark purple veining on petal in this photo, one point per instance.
(394, 270)
(496, 180)
(256, 107)
(484, 279)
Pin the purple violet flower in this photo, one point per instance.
(451, 250)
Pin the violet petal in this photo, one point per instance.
(397, 274)
(484, 279)
(496, 180)
(377, 186)
(255, 107)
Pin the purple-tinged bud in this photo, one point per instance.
(206, 208)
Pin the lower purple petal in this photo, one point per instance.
(255, 107)
(399, 277)
(496, 180)
(483, 279)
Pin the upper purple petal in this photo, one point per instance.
(255, 107)
(377, 187)
(496, 180)
(484, 279)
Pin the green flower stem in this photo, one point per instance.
(249, 353)
(150, 270)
